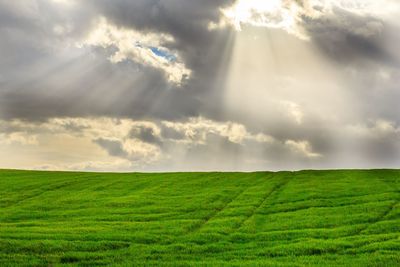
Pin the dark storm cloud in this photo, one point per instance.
(113, 147)
(170, 133)
(186, 20)
(348, 37)
(146, 134)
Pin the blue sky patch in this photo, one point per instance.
(162, 53)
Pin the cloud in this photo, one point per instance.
(18, 138)
(294, 111)
(359, 17)
(138, 47)
(115, 165)
(113, 147)
(147, 132)
(197, 143)
(161, 61)
(350, 38)
(196, 129)
(171, 84)
(302, 147)
(378, 141)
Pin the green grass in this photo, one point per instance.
(307, 218)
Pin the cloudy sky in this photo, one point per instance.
(180, 85)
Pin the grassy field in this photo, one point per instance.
(307, 218)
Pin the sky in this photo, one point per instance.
(199, 85)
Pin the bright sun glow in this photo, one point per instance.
(288, 14)
(272, 13)
(244, 10)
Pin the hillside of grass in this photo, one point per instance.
(307, 218)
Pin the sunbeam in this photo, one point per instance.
(229, 85)
(251, 110)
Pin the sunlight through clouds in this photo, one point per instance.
(272, 14)
(146, 145)
(199, 85)
(289, 15)
(139, 47)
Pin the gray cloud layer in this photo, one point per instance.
(322, 96)
(43, 89)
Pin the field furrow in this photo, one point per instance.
(306, 218)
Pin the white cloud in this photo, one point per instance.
(140, 47)
(378, 129)
(196, 130)
(271, 14)
(289, 15)
(115, 165)
(107, 144)
(138, 150)
(22, 138)
(121, 144)
(303, 148)
(294, 110)
(64, 2)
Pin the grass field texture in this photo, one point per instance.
(306, 218)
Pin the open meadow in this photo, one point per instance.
(305, 218)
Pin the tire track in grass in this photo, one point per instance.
(217, 211)
(295, 209)
(344, 197)
(47, 189)
(379, 218)
(274, 190)
(366, 244)
(366, 226)
(386, 212)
